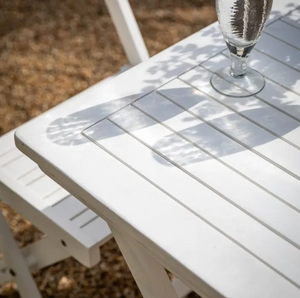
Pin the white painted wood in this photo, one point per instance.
(9, 157)
(215, 143)
(31, 176)
(44, 253)
(276, 71)
(149, 271)
(82, 246)
(293, 18)
(278, 123)
(84, 218)
(279, 50)
(274, 94)
(56, 197)
(67, 208)
(37, 255)
(43, 186)
(4, 274)
(196, 197)
(193, 242)
(285, 32)
(128, 30)
(180, 288)
(149, 274)
(148, 213)
(117, 94)
(33, 195)
(99, 229)
(6, 148)
(238, 127)
(15, 262)
(19, 167)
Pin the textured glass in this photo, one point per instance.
(242, 23)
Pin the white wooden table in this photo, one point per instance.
(204, 185)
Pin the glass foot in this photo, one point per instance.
(248, 85)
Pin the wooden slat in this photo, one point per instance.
(98, 229)
(182, 241)
(273, 93)
(285, 32)
(232, 259)
(236, 126)
(67, 208)
(20, 167)
(188, 191)
(6, 143)
(5, 151)
(43, 186)
(31, 176)
(293, 18)
(279, 50)
(218, 145)
(276, 71)
(22, 180)
(84, 218)
(56, 196)
(212, 173)
(9, 157)
(250, 107)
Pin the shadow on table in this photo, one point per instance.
(68, 131)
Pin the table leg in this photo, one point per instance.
(150, 276)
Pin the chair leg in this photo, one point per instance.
(37, 256)
(128, 31)
(44, 253)
(16, 263)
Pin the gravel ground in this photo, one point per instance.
(51, 50)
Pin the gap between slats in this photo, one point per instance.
(214, 156)
(27, 173)
(192, 176)
(226, 54)
(7, 152)
(89, 222)
(270, 84)
(288, 28)
(243, 115)
(185, 206)
(11, 160)
(236, 140)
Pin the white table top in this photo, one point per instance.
(208, 184)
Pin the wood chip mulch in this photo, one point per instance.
(51, 50)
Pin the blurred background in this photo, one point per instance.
(49, 51)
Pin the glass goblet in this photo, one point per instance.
(241, 22)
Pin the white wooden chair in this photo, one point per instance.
(70, 228)
(15, 259)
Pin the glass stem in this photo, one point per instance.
(238, 66)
